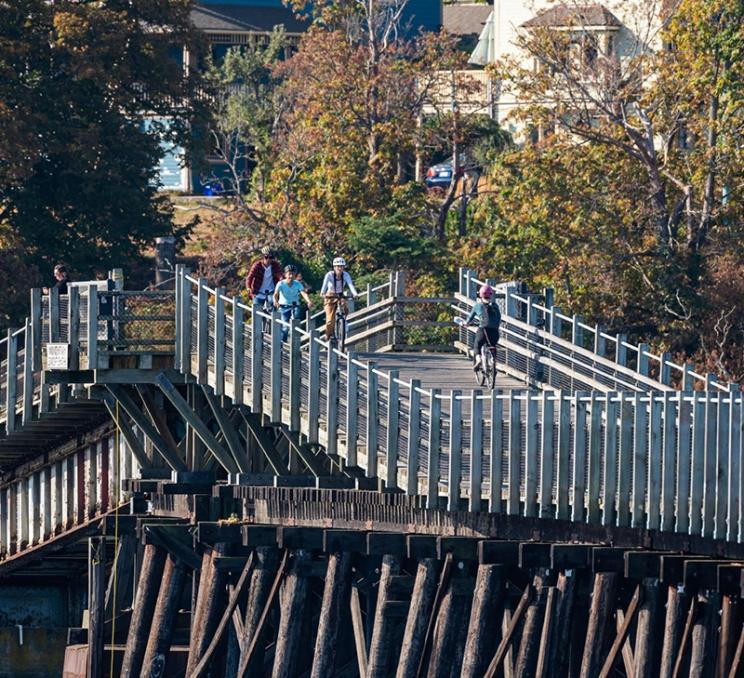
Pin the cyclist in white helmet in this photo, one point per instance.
(332, 292)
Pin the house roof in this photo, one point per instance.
(581, 15)
(465, 19)
(228, 18)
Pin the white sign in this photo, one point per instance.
(57, 356)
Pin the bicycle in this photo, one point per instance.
(486, 374)
(340, 325)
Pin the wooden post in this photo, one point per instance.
(734, 463)
(451, 627)
(258, 595)
(352, 409)
(381, 644)
(391, 441)
(91, 333)
(455, 452)
(698, 462)
(295, 376)
(36, 328)
(579, 459)
(313, 389)
(640, 446)
(73, 326)
(164, 618)
(371, 421)
(414, 433)
(28, 375)
(335, 601)
(559, 647)
(515, 450)
(289, 635)
(11, 383)
(653, 494)
(476, 450)
(645, 645)
(331, 401)
(668, 476)
(577, 331)
(96, 584)
(600, 343)
(54, 324)
(626, 460)
(556, 325)
(529, 647)
(727, 640)
(665, 372)
(202, 331)
(642, 367)
(208, 604)
(609, 490)
(531, 461)
(710, 481)
(414, 636)
(121, 580)
(484, 615)
(276, 369)
(704, 636)
(563, 453)
(219, 341)
(257, 360)
(723, 469)
(673, 626)
(433, 443)
(238, 346)
(600, 627)
(496, 451)
(595, 458)
(144, 606)
(621, 350)
(546, 456)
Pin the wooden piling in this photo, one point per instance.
(449, 633)
(258, 593)
(674, 624)
(380, 646)
(560, 637)
(414, 636)
(645, 645)
(704, 637)
(529, 647)
(209, 602)
(727, 640)
(164, 619)
(335, 601)
(151, 573)
(600, 626)
(484, 616)
(119, 588)
(96, 595)
(289, 637)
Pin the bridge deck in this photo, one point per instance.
(436, 370)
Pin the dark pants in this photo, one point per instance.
(288, 312)
(485, 336)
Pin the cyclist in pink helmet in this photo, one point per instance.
(489, 319)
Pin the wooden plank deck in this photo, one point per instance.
(445, 371)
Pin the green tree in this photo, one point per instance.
(77, 160)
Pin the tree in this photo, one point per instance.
(90, 93)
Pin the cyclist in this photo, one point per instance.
(287, 297)
(263, 276)
(489, 319)
(332, 292)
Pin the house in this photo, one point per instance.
(229, 23)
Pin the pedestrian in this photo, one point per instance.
(287, 297)
(332, 292)
(105, 301)
(61, 279)
(263, 276)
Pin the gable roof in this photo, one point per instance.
(465, 19)
(222, 18)
(583, 15)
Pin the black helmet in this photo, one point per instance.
(290, 268)
(267, 251)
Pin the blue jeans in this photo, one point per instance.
(288, 312)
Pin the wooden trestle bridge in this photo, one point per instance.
(242, 505)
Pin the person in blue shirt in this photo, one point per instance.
(287, 297)
(486, 310)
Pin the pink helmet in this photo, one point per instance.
(485, 292)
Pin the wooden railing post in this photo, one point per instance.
(10, 384)
(531, 460)
(496, 452)
(665, 373)
(556, 325)
(625, 466)
(653, 494)
(642, 365)
(688, 379)
(53, 314)
(609, 490)
(433, 443)
(179, 312)
(579, 459)
(600, 343)
(352, 409)
(371, 421)
(257, 361)
(313, 388)
(36, 320)
(668, 477)
(723, 469)
(202, 332)
(391, 442)
(515, 453)
(332, 401)
(577, 331)
(219, 341)
(734, 462)
(414, 431)
(238, 346)
(455, 452)
(563, 454)
(595, 458)
(295, 376)
(621, 350)
(546, 456)
(476, 450)
(684, 427)
(28, 374)
(4, 526)
(276, 368)
(184, 323)
(92, 328)
(73, 326)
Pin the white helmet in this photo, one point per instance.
(339, 261)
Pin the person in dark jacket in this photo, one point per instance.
(61, 278)
(263, 277)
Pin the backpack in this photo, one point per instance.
(492, 315)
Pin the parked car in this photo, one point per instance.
(441, 174)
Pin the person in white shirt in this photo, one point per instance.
(332, 291)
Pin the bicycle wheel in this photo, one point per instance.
(491, 369)
(481, 375)
(340, 331)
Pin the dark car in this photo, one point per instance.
(440, 175)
